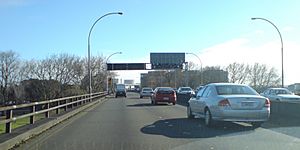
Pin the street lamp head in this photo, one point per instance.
(119, 52)
(253, 18)
(120, 13)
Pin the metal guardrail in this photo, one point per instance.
(45, 107)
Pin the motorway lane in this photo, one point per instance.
(133, 123)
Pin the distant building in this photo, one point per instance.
(129, 82)
(177, 78)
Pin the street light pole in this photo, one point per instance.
(107, 70)
(89, 52)
(282, 73)
(200, 64)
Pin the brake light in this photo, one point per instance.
(224, 102)
(267, 103)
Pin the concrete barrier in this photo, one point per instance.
(285, 110)
(183, 99)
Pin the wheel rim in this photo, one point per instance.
(207, 118)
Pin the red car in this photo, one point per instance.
(163, 94)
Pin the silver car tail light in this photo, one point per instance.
(267, 103)
(224, 103)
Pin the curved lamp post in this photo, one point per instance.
(200, 64)
(106, 68)
(89, 53)
(282, 73)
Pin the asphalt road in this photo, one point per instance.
(134, 124)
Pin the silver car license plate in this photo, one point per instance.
(247, 104)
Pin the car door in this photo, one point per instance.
(153, 96)
(196, 102)
(272, 95)
(203, 99)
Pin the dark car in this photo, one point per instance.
(164, 94)
(120, 90)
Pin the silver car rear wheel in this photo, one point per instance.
(256, 124)
(189, 112)
(208, 118)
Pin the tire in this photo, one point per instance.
(116, 96)
(208, 119)
(256, 124)
(173, 103)
(189, 112)
(141, 96)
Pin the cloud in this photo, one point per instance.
(241, 51)
(259, 32)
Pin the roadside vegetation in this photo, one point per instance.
(23, 81)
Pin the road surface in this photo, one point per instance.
(134, 124)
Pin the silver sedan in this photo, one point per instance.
(146, 92)
(229, 102)
(280, 94)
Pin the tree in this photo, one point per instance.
(9, 65)
(28, 69)
(261, 76)
(238, 73)
(38, 90)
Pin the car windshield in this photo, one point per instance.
(165, 89)
(147, 90)
(186, 89)
(283, 91)
(235, 90)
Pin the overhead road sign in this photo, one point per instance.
(167, 60)
(127, 66)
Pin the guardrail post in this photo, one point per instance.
(77, 102)
(32, 118)
(79, 99)
(65, 108)
(47, 114)
(71, 100)
(57, 110)
(84, 101)
(8, 125)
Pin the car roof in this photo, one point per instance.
(277, 88)
(164, 87)
(185, 87)
(146, 88)
(225, 83)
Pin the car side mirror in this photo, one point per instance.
(193, 95)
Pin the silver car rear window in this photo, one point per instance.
(235, 90)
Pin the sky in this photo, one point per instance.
(219, 32)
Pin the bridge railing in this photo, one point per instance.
(30, 110)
